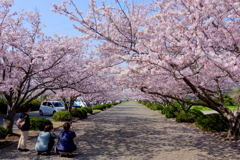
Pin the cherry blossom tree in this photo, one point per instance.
(89, 79)
(30, 63)
(183, 46)
(102, 89)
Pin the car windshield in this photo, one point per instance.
(76, 103)
(58, 104)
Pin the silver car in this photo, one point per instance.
(50, 107)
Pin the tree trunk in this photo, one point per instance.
(234, 128)
(71, 102)
(8, 123)
(238, 103)
(65, 103)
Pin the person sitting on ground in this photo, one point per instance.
(65, 141)
(45, 140)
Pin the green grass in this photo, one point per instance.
(201, 108)
(233, 108)
(55, 121)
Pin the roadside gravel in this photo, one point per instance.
(131, 131)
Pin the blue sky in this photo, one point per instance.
(55, 23)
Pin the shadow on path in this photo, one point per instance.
(131, 131)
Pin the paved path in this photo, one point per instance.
(131, 131)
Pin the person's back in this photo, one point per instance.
(26, 126)
(65, 141)
(45, 140)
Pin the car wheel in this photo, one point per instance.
(41, 113)
(54, 112)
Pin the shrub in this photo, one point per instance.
(149, 105)
(103, 106)
(98, 107)
(35, 104)
(75, 112)
(170, 112)
(79, 112)
(153, 106)
(212, 122)
(115, 103)
(88, 109)
(228, 101)
(176, 103)
(143, 103)
(84, 112)
(109, 105)
(189, 116)
(196, 112)
(157, 107)
(62, 116)
(2, 132)
(106, 106)
(37, 123)
(3, 107)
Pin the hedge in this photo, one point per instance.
(170, 112)
(87, 109)
(62, 116)
(189, 116)
(79, 112)
(212, 122)
(99, 107)
(37, 123)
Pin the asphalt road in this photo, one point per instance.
(32, 113)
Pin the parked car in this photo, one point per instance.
(50, 107)
(75, 105)
(118, 101)
(108, 102)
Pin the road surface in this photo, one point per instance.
(131, 131)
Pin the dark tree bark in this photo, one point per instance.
(8, 121)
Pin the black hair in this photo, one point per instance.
(66, 126)
(26, 108)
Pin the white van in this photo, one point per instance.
(50, 107)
